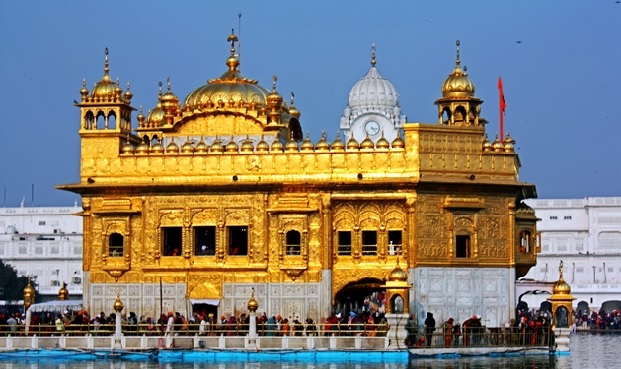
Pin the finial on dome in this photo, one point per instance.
(232, 39)
(560, 270)
(128, 86)
(160, 85)
(106, 65)
(168, 82)
(457, 61)
(274, 79)
(292, 97)
(373, 60)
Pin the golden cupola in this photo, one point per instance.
(170, 103)
(458, 105)
(106, 89)
(232, 88)
(561, 287)
(156, 116)
(293, 111)
(458, 84)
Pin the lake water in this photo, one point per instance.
(588, 351)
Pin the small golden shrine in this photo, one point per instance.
(562, 301)
(397, 291)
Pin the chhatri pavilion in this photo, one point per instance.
(206, 198)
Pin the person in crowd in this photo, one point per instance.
(430, 327)
(271, 327)
(60, 325)
(447, 330)
(170, 324)
(310, 329)
(456, 334)
(202, 326)
(12, 323)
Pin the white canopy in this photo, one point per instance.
(57, 305)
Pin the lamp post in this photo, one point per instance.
(530, 292)
(118, 307)
(253, 305)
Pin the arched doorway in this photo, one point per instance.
(364, 295)
(583, 308)
(611, 305)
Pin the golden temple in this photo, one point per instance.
(211, 197)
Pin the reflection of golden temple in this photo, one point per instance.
(221, 192)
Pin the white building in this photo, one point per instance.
(46, 244)
(586, 235)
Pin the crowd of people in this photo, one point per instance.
(528, 330)
(597, 321)
(364, 323)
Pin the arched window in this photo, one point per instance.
(293, 243)
(115, 245)
(525, 241)
(446, 116)
(89, 120)
(101, 120)
(459, 115)
(111, 120)
(396, 304)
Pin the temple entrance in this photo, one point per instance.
(610, 306)
(583, 308)
(364, 295)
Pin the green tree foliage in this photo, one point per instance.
(11, 285)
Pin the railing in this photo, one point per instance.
(485, 337)
(191, 329)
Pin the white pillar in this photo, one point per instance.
(251, 340)
(117, 332)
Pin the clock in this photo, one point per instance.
(372, 127)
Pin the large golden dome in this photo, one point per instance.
(458, 84)
(231, 88)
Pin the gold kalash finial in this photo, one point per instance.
(106, 64)
(373, 60)
(232, 39)
(457, 61)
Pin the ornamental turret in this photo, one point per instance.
(458, 105)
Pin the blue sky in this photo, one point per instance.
(561, 80)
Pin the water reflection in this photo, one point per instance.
(587, 351)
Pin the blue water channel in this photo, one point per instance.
(588, 351)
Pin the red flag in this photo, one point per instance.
(503, 106)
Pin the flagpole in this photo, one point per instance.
(502, 104)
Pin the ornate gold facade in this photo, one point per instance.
(211, 197)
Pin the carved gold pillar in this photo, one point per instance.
(410, 232)
(329, 251)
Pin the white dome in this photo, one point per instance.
(373, 91)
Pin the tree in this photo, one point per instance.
(11, 285)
